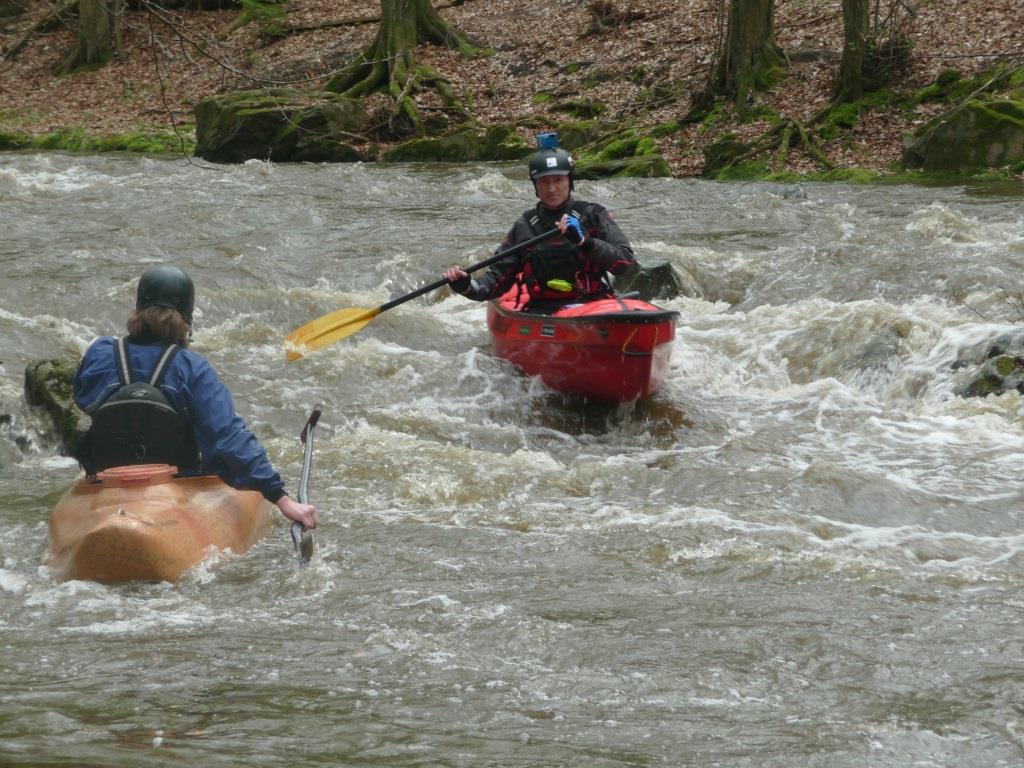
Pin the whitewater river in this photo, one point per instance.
(805, 550)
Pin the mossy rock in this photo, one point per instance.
(9, 141)
(638, 167)
(977, 135)
(460, 147)
(501, 142)
(721, 154)
(1003, 373)
(579, 133)
(279, 124)
(48, 383)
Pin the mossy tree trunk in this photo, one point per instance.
(750, 60)
(99, 32)
(389, 63)
(849, 84)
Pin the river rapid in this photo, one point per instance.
(804, 550)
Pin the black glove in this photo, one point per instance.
(462, 284)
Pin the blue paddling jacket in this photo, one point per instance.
(226, 446)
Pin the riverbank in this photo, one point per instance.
(644, 65)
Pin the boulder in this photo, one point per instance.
(651, 280)
(997, 375)
(996, 366)
(280, 124)
(980, 134)
(48, 384)
(637, 167)
(499, 142)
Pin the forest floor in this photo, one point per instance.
(171, 60)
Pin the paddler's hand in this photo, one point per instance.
(298, 512)
(458, 279)
(572, 230)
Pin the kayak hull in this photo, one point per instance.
(143, 524)
(610, 350)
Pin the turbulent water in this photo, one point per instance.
(804, 550)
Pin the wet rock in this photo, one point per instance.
(998, 375)
(652, 280)
(48, 384)
(279, 124)
(1000, 366)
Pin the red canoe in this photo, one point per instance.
(611, 350)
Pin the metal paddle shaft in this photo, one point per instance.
(341, 323)
(302, 538)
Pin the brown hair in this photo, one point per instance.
(162, 323)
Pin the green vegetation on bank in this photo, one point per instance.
(78, 140)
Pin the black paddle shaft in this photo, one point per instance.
(471, 268)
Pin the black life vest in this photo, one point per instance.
(137, 424)
(558, 271)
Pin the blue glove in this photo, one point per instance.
(574, 231)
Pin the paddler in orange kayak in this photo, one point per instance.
(154, 401)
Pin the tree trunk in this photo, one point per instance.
(98, 27)
(13, 7)
(389, 63)
(849, 85)
(750, 58)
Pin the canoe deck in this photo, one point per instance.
(610, 350)
(142, 524)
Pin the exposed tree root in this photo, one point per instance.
(389, 65)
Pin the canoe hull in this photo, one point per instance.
(150, 530)
(612, 350)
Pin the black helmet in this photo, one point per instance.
(551, 162)
(167, 287)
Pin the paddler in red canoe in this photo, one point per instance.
(569, 268)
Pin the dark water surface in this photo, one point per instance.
(803, 551)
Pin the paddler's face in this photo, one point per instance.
(553, 191)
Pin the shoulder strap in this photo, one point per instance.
(160, 369)
(124, 372)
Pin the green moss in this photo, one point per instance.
(717, 115)
(850, 175)
(752, 169)
(759, 113)
(583, 108)
(636, 74)
(542, 97)
(665, 129)
(947, 77)
(877, 99)
(77, 140)
(10, 141)
(1004, 365)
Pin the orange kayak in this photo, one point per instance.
(141, 523)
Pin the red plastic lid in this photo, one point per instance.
(137, 474)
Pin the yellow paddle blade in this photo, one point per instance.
(326, 330)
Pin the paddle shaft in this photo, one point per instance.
(471, 268)
(307, 460)
(302, 538)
